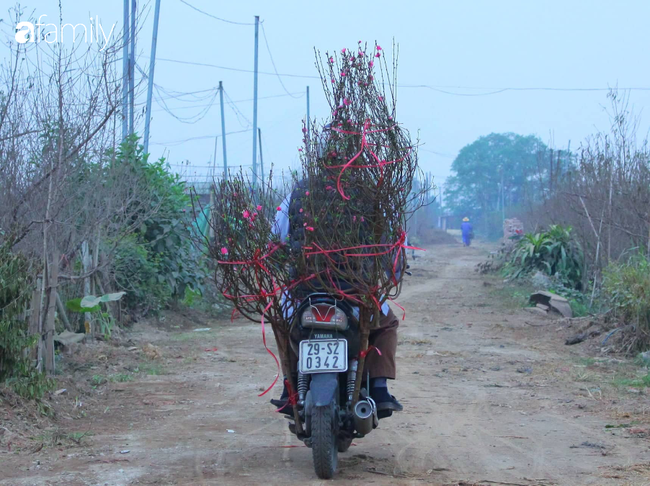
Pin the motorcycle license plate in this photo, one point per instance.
(323, 355)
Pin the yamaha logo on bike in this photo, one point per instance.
(323, 336)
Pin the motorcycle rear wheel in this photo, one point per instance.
(323, 441)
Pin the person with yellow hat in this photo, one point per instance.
(467, 231)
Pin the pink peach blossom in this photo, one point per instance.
(224, 251)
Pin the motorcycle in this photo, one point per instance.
(325, 338)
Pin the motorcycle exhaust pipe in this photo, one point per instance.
(365, 416)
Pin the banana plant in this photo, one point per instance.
(92, 305)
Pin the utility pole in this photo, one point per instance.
(259, 132)
(503, 197)
(132, 70)
(308, 124)
(214, 161)
(152, 67)
(257, 30)
(223, 134)
(212, 188)
(125, 71)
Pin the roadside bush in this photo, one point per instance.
(554, 252)
(138, 272)
(626, 286)
(157, 265)
(16, 369)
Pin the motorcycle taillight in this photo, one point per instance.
(323, 313)
(324, 316)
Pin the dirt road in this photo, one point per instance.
(491, 396)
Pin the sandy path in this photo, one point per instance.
(489, 395)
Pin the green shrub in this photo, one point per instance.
(158, 263)
(139, 273)
(554, 252)
(626, 287)
(16, 370)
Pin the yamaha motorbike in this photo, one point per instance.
(325, 338)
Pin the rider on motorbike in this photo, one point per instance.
(380, 362)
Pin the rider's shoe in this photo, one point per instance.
(382, 414)
(281, 403)
(384, 400)
(283, 407)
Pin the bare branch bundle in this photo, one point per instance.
(355, 187)
(348, 210)
(251, 265)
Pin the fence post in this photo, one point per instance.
(49, 330)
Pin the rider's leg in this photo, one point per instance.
(382, 366)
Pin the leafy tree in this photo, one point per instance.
(493, 173)
(158, 263)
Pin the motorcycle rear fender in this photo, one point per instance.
(324, 388)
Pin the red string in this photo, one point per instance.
(363, 354)
(270, 352)
(292, 399)
(403, 310)
(364, 145)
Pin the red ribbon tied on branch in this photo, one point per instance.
(363, 354)
(364, 145)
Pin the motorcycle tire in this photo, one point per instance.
(324, 441)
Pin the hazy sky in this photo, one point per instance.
(464, 49)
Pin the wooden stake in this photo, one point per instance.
(35, 318)
(49, 329)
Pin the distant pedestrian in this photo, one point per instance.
(467, 230)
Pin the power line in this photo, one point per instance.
(238, 113)
(178, 95)
(203, 64)
(235, 101)
(440, 89)
(436, 153)
(202, 137)
(266, 41)
(190, 120)
(213, 16)
(502, 90)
